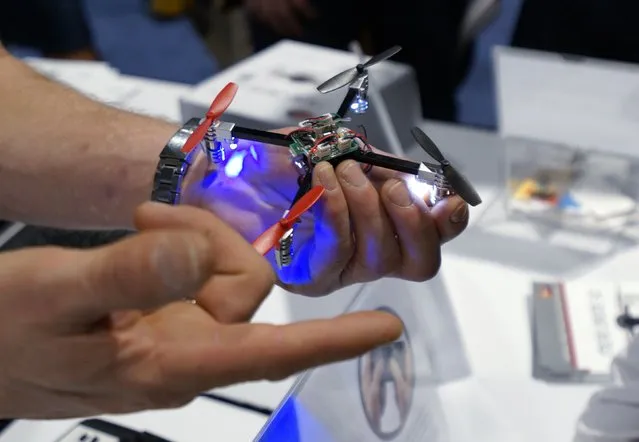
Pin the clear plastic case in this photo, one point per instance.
(571, 188)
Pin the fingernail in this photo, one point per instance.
(326, 176)
(460, 215)
(181, 265)
(352, 173)
(399, 194)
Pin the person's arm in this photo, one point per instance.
(67, 161)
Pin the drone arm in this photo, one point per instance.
(423, 171)
(305, 185)
(260, 136)
(348, 100)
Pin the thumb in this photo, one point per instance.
(143, 272)
(451, 216)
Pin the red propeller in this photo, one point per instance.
(219, 105)
(270, 237)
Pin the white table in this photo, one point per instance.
(203, 419)
(485, 275)
(489, 280)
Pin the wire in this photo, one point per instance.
(240, 404)
(367, 146)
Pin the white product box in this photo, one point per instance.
(574, 101)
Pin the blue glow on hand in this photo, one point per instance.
(235, 164)
(254, 153)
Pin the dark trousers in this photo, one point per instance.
(426, 29)
(605, 29)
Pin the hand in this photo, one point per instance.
(364, 228)
(107, 330)
(283, 16)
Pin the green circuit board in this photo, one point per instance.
(304, 139)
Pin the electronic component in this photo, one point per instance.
(284, 250)
(325, 138)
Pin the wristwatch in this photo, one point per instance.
(173, 166)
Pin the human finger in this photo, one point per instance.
(141, 272)
(247, 352)
(240, 277)
(377, 252)
(330, 250)
(417, 232)
(451, 216)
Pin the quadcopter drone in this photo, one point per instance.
(324, 138)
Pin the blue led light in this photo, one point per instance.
(360, 105)
(292, 422)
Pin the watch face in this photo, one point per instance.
(387, 382)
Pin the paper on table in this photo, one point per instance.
(95, 79)
(538, 411)
(160, 99)
(391, 391)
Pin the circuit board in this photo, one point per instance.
(323, 138)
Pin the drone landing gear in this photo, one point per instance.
(223, 135)
(284, 249)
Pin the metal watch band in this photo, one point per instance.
(173, 166)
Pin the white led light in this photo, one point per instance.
(421, 190)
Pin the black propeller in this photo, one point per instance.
(350, 75)
(457, 181)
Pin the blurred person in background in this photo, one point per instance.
(56, 28)
(592, 28)
(427, 30)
